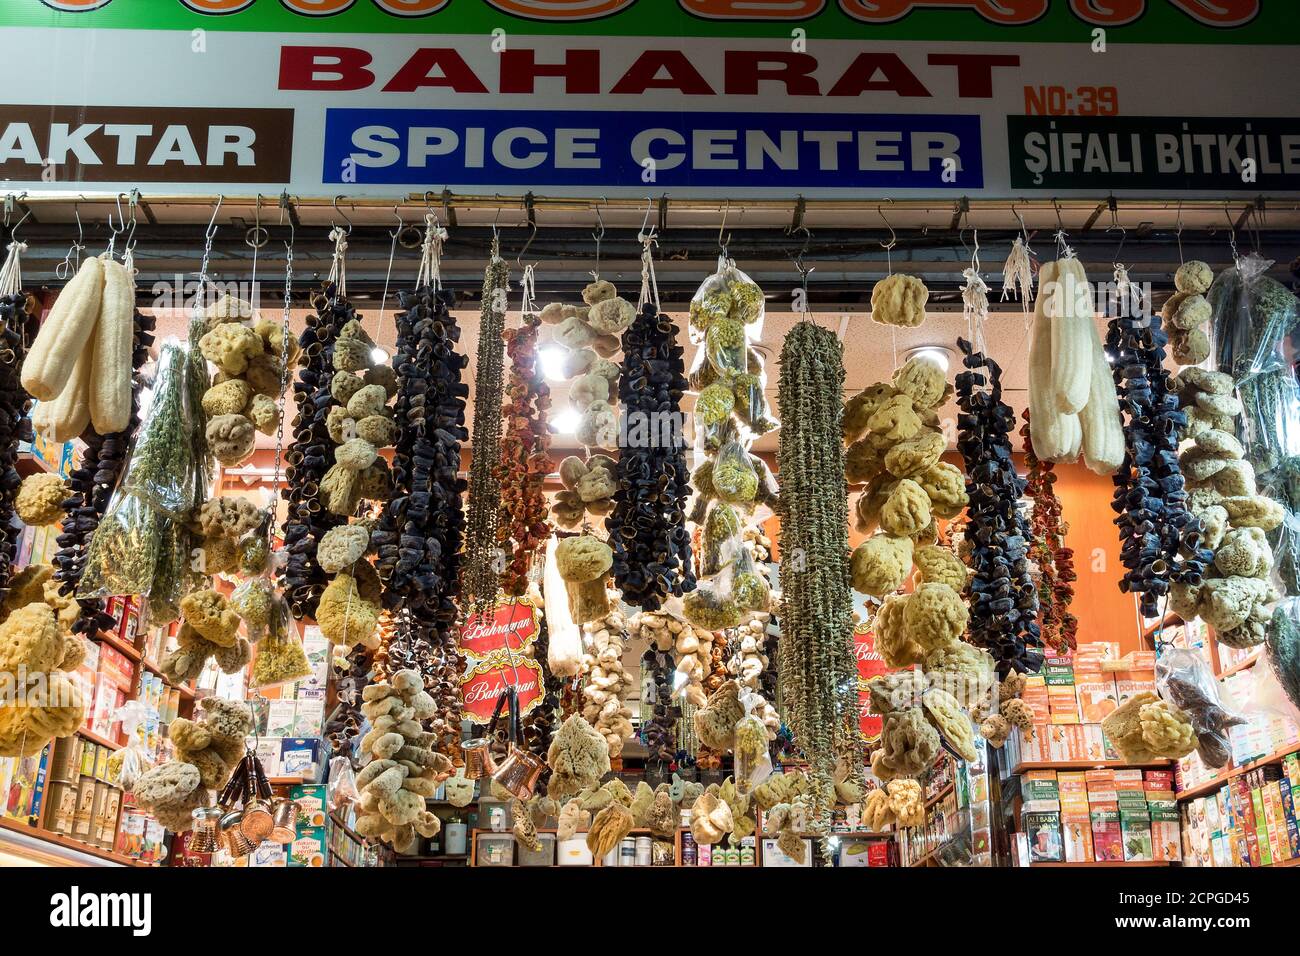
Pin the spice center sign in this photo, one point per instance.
(498, 649)
(898, 98)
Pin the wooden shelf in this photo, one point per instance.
(1110, 864)
(95, 738)
(1169, 620)
(58, 839)
(1087, 765)
(1224, 776)
(119, 645)
(28, 464)
(1241, 665)
(938, 796)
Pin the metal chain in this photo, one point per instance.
(284, 378)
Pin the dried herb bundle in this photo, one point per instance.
(309, 457)
(818, 671)
(481, 568)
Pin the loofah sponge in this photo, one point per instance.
(30, 638)
(881, 564)
(946, 714)
(899, 300)
(922, 380)
(344, 616)
(578, 757)
(230, 397)
(938, 565)
(715, 722)
(1166, 729)
(611, 316)
(894, 420)
(40, 499)
(915, 456)
(946, 487)
(909, 745)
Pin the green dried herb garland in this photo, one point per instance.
(482, 567)
(818, 671)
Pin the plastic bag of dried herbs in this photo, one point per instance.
(280, 656)
(727, 296)
(1253, 315)
(138, 547)
(1282, 643)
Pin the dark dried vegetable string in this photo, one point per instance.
(818, 671)
(422, 527)
(647, 527)
(310, 456)
(482, 561)
(1159, 535)
(1003, 600)
(18, 326)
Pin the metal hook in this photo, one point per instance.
(599, 235)
(1115, 224)
(1232, 230)
(1060, 225)
(403, 228)
(256, 238)
(803, 270)
(519, 259)
(66, 268)
(1024, 231)
(724, 243)
(342, 213)
(13, 232)
(893, 236)
(645, 221)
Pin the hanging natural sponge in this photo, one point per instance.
(342, 547)
(715, 722)
(899, 300)
(210, 615)
(938, 565)
(893, 640)
(231, 438)
(881, 564)
(906, 511)
(1145, 728)
(922, 380)
(909, 745)
(935, 616)
(40, 499)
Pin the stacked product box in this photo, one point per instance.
(113, 685)
(1040, 816)
(310, 847)
(1062, 704)
(22, 786)
(1251, 821)
(1076, 821)
(139, 835)
(1166, 837)
(1134, 816)
(1103, 813)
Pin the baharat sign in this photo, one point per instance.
(498, 654)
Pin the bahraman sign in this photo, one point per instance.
(498, 649)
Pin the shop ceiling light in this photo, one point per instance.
(378, 356)
(551, 358)
(935, 353)
(566, 422)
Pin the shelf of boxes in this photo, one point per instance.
(1247, 820)
(1075, 802)
(957, 828)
